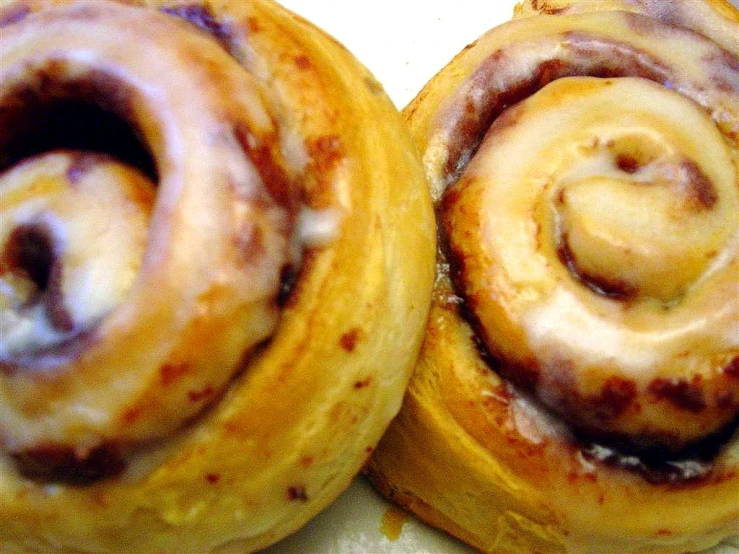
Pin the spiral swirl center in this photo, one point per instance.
(60, 273)
(612, 217)
(636, 218)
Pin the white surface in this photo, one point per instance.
(404, 43)
(353, 525)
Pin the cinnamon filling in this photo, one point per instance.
(60, 464)
(30, 254)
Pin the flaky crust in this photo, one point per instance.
(472, 452)
(295, 425)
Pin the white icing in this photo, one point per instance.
(564, 325)
(317, 228)
(533, 423)
(27, 330)
(293, 148)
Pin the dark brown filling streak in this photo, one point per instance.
(617, 290)
(485, 100)
(693, 465)
(288, 281)
(59, 464)
(30, 252)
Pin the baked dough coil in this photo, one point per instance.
(577, 390)
(215, 273)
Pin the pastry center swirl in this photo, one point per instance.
(596, 242)
(637, 214)
(59, 273)
(147, 217)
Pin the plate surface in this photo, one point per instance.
(404, 43)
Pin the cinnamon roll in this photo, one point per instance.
(577, 389)
(216, 258)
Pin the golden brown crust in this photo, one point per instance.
(289, 432)
(473, 450)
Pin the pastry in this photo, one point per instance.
(216, 258)
(577, 389)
